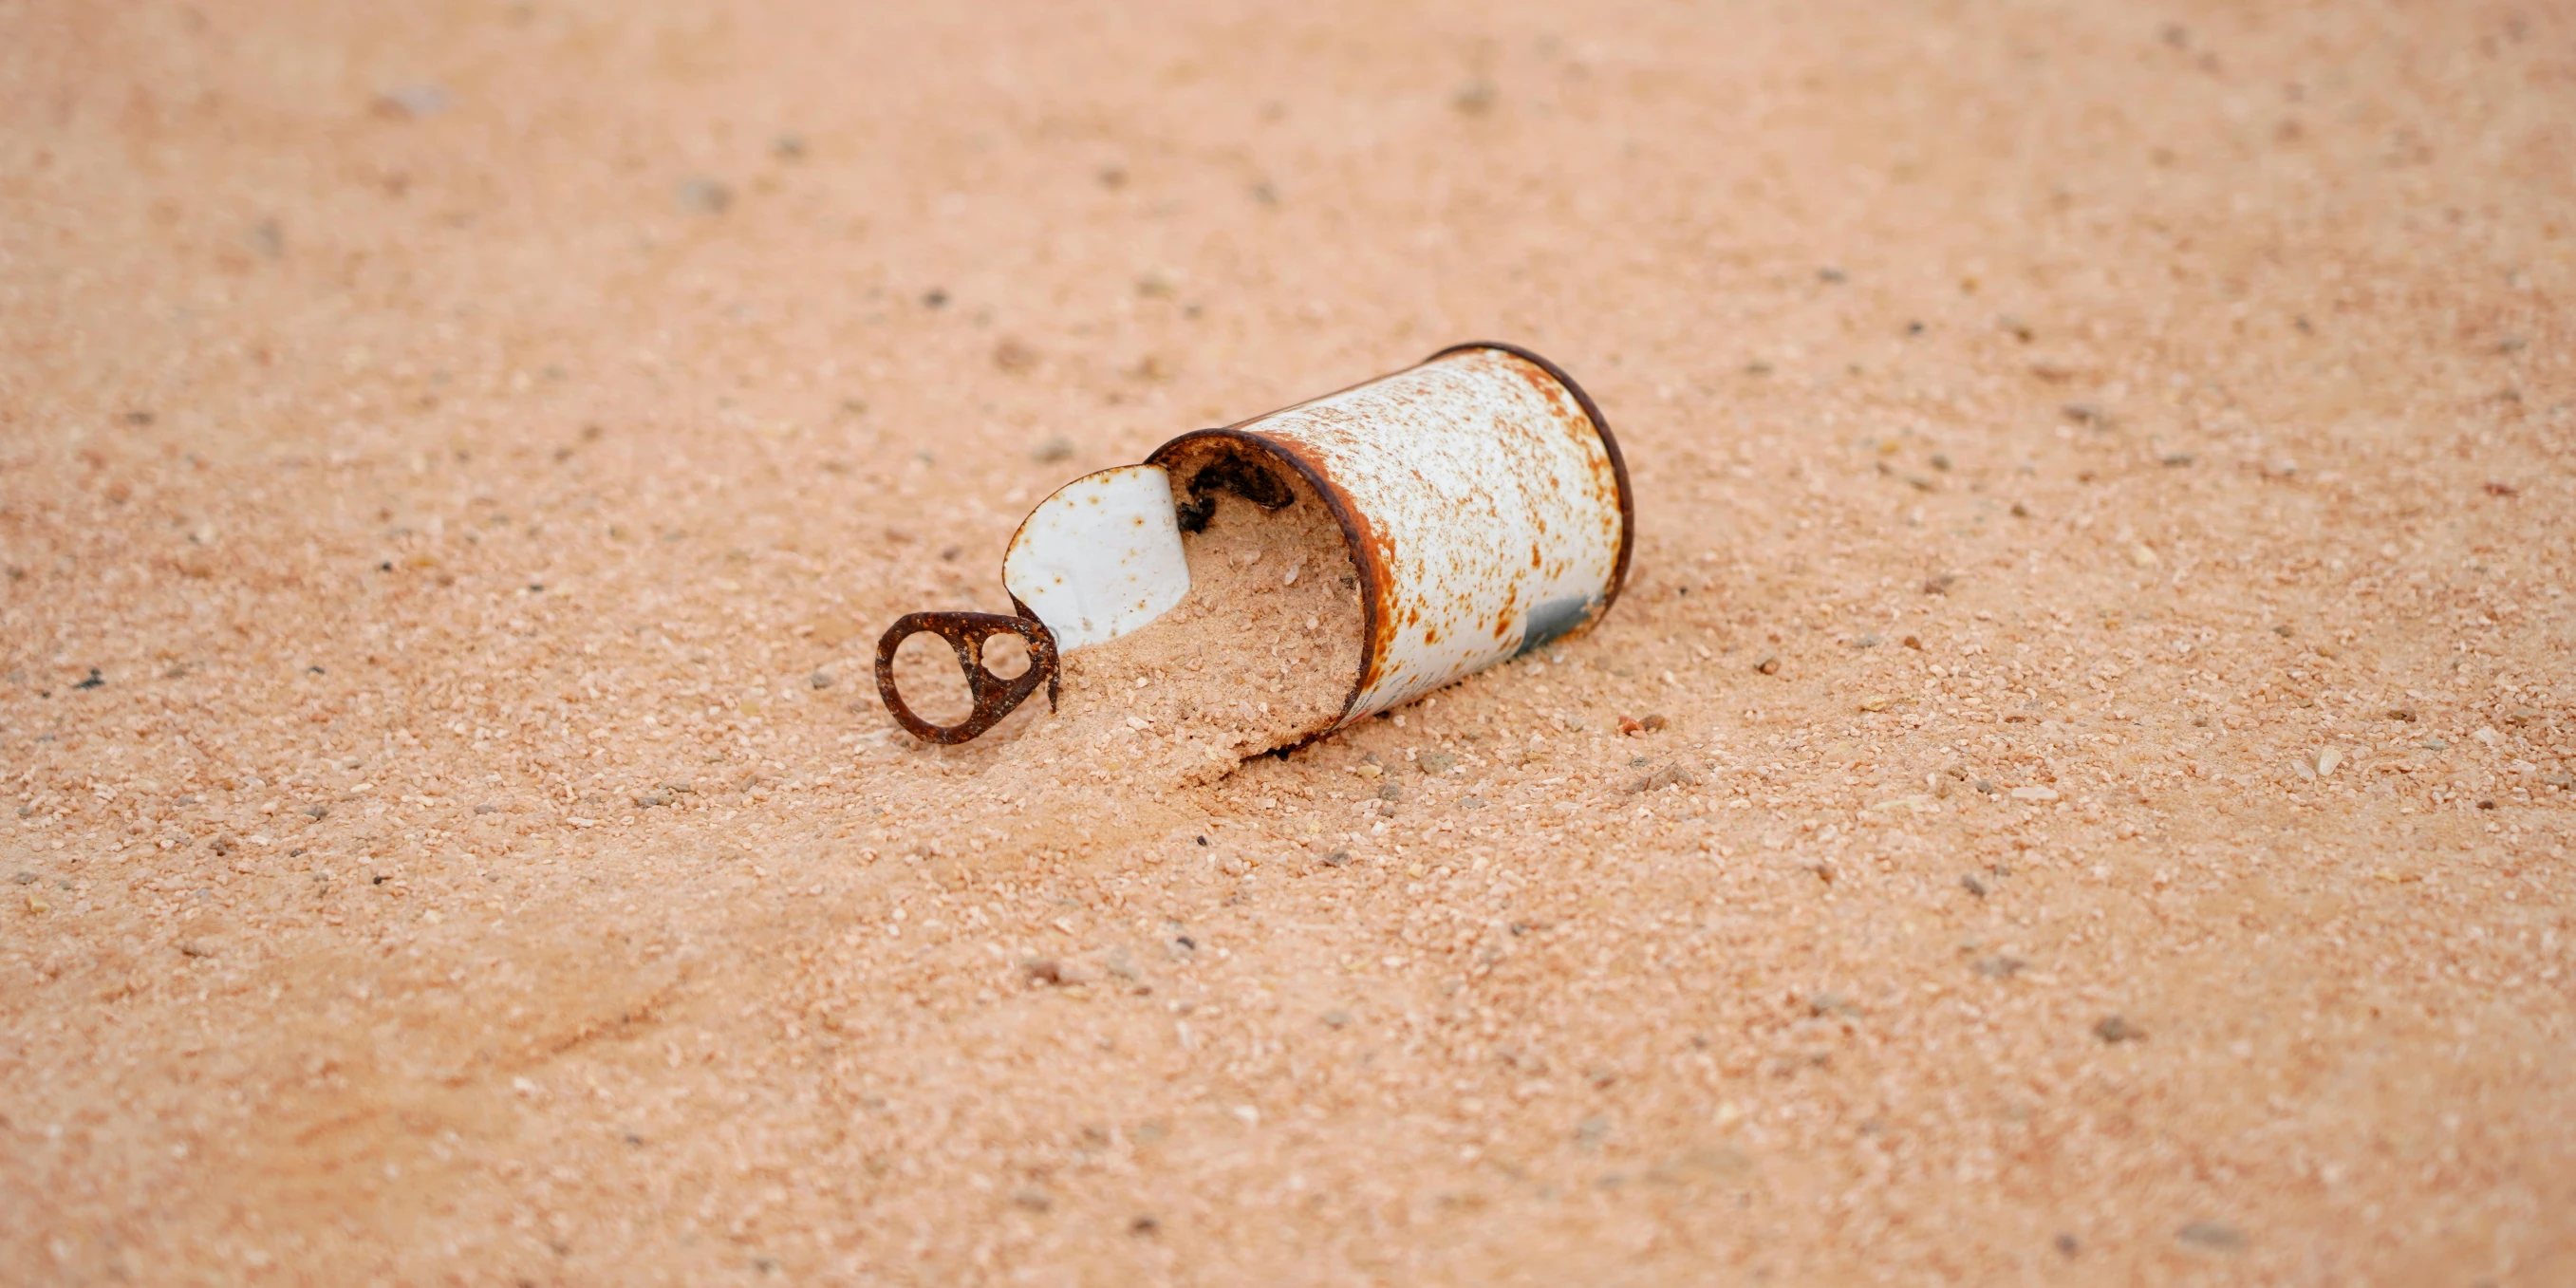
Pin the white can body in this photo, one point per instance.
(1485, 503)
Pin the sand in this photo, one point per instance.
(2104, 491)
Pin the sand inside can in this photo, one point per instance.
(1261, 654)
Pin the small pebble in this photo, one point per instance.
(819, 680)
(2213, 1236)
(1058, 448)
(414, 102)
(1673, 775)
(2116, 1029)
(703, 196)
(1769, 665)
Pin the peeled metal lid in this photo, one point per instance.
(1101, 557)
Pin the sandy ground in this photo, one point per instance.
(2104, 480)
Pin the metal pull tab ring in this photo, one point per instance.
(995, 696)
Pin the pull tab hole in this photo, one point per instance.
(1006, 655)
(932, 684)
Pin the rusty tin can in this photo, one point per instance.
(1483, 501)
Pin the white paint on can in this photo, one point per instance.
(1099, 558)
